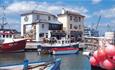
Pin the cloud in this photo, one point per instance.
(107, 13)
(16, 8)
(96, 1)
(23, 6)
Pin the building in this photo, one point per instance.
(73, 24)
(90, 32)
(36, 25)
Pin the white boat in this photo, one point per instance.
(86, 53)
(60, 44)
(66, 50)
(45, 65)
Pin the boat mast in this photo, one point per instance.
(3, 17)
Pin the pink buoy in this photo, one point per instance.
(95, 54)
(93, 61)
(101, 64)
(107, 64)
(101, 54)
(112, 59)
(110, 50)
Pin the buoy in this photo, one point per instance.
(93, 61)
(107, 64)
(95, 54)
(110, 50)
(101, 54)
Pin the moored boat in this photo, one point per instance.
(8, 43)
(43, 65)
(62, 43)
(66, 50)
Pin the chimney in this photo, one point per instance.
(63, 11)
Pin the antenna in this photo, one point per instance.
(3, 22)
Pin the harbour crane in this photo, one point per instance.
(98, 23)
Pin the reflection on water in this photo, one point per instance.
(8, 58)
(69, 62)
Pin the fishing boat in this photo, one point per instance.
(66, 50)
(43, 65)
(8, 42)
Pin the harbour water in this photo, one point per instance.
(69, 62)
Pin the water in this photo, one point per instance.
(69, 62)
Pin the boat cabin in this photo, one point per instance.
(7, 33)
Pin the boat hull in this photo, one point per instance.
(43, 65)
(59, 45)
(13, 46)
(64, 51)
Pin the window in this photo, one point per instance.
(68, 36)
(10, 36)
(46, 35)
(79, 26)
(49, 18)
(7, 36)
(70, 26)
(70, 17)
(79, 19)
(75, 27)
(26, 18)
(3, 36)
(38, 17)
(41, 35)
(75, 19)
(42, 25)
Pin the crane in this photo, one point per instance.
(98, 23)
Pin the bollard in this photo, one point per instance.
(26, 64)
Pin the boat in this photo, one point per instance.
(66, 50)
(42, 65)
(86, 53)
(8, 43)
(62, 43)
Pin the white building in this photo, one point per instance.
(91, 32)
(38, 24)
(73, 24)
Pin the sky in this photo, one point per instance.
(91, 9)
